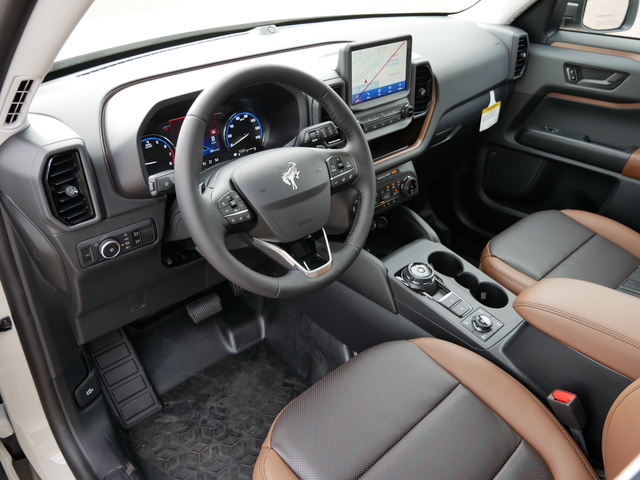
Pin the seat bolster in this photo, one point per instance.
(516, 405)
(270, 465)
(613, 231)
(620, 439)
(503, 273)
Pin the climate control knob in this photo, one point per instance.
(109, 248)
(409, 186)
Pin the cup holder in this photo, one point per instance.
(468, 281)
(491, 295)
(486, 293)
(446, 264)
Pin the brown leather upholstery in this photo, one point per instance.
(269, 464)
(632, 167)
(621, 436)
(515, 404)
(613, 231)
(499, 391)
(597, 321)
(502, 273)
(562, 244)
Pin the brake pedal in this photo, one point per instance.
(204, 308)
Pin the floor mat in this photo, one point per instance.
(212, 426)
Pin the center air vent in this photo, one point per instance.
(522, 54)
(67, 187)
(422, 88)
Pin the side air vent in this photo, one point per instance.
(522, 54)
(67, 187)
(324, 116)
(17, 104)
(422, 88)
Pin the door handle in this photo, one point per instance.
(593, 77)
(617, 77)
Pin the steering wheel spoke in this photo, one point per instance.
(310, 256)
(343, 169)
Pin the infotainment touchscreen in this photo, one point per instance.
(379, 70)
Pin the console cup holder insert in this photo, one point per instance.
(446, 264)
(488, 294)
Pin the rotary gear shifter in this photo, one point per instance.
(421, 276)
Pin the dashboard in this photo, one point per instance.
(117, 127)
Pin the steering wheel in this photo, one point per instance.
(280, 197)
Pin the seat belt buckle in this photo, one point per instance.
(568, 409)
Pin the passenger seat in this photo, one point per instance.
(564, 244)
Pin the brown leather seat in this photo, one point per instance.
(429, 409)
(562, 244)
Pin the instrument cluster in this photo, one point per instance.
(240, 127)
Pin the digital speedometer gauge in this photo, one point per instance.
(158, 153)
(243, 133)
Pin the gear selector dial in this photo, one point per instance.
(421, 276)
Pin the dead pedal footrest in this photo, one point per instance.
(128, 388)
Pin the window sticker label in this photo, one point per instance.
(490, 114)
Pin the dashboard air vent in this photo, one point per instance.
(324, 116)
(521, 56)
(67, 187)
(422, 88)
(17, 108)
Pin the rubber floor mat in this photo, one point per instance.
(212, 426)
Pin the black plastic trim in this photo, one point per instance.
(573, 145)
(24, 321)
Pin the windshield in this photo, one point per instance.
(115, 23)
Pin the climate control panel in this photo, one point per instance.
(116, 243)
(395, 187)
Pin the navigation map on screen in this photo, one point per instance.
(378, 71)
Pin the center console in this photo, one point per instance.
(448, 297)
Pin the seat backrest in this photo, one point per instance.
(621, 435)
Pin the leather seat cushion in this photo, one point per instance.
(421, 409)
(566, 244)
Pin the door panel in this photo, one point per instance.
(563, 142)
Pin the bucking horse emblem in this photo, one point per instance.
(289, 177)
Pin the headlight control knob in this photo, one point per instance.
(109, 248)
(421, 276)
